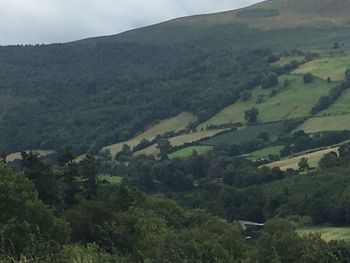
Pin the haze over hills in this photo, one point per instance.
(100, 91)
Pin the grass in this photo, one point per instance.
(313, 158)
(294, 101)
(341, 106)
(326, 123)
(188, 151)
(111, 179)
(333, 67)
(176, 123)
(327, 233)
(272, 150)
(17, 156)
(285, 60)
(247, 134)
(181, 140)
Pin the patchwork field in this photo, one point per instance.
(181, 140)
(247, 134)
(313, 158)
(327, 233)
(333, 67)
(177, 123)
(293, 101)
(273, 150)
(188, 151)
(326, 123)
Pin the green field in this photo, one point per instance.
(247, 134)
(293, 162)
(188, 151)
(333, 67)
(111, 179)
(341, 106)
(17, 156)
(327, 233)
(285, 60)
(295, 101)
(181, 140)
(176, 123)
(326, 123)
(272, 150)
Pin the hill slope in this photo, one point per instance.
(101, 91)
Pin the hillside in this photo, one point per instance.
(103, 91)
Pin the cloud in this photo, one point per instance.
(49, 21)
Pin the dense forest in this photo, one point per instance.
(89, 96)
(60, 210)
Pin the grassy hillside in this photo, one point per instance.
(272, 150)
(101, 91)
(188, 151)
(313, 159)
(293, 101)
(181, 140)
(17, 156)
(326, 123)
(327, 233)
(333, 67)
(175, 124)
(247, 134)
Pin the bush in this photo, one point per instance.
(308, 78)
(269, 81)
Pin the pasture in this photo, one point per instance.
(292, 162)
(326, 123)
(247, 134)
(111, 179)
(341, 106)
(327, 233)
(176, 123)
(17, 156)
(290, 102)
(333, 67)
(188, 151)
(181, 140)
(272, 150)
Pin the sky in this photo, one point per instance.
(57, 21)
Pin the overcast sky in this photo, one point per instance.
(52, 21)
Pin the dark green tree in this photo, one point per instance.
(304, 165)
(88, 174)
(308, 78)
(164, 147)
(269, 81)
(329, 160)
(27, 226)
(251, 115)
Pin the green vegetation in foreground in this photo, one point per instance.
(327, 233)
(326, 123)
(273, 150)
(247, 134)
(111, 179)
(294, 101)
(333, 67)
(188, 151)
